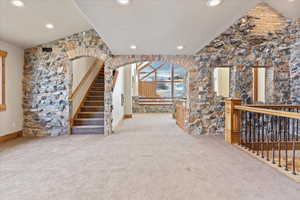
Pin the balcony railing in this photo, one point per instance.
(271, 132)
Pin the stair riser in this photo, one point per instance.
(86, 109)
(97, 89)
(91, 98)
(96, 93)
(87, 131)
(88, 122)
(101, 85)
(93, 103)
(91, 115)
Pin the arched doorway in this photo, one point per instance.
(147, 88)
(73, 56)
(118, 61)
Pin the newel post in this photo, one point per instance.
(232, 121)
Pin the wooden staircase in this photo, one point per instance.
(89, 118)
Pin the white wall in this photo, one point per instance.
(118, 107)
(11, 120)
(80, 67)
(123, 86)
(135, 82)
(128, 90)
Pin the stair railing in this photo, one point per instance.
(271, 132)
(80, 92)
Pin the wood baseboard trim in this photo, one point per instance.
(11, 136)
(127, 116)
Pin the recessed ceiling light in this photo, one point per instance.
(291, 0)
(49, 26)
(132, 47)
(123, 2)
(213, 3)
(180, 47)
(17, 3)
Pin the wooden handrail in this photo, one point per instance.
(268, 111)
(273, 106)
(267, 131)
(87, 74)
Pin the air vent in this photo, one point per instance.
(49, 50)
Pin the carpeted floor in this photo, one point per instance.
(149, 158)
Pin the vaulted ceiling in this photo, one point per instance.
(159, 26)
(154, 26)
(25, 26)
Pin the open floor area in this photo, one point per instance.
(149, 158)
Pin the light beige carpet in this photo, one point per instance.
(149, 158)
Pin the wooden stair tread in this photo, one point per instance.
(88, 119)
(91, 106)
(94, 101)
(90, 112)
(88, 126)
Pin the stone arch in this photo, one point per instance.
(118, 61)
(76, 53)
(48, 81)
(86, 52)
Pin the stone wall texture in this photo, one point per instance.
(141, 108)
(261, 38)
(48, 81)
(247, 44)
(295, 67)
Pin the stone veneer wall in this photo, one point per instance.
(243, 46)
(140, 108)
(48, 81)
(204, 108)
(47, 76)
(295, 67)
(246, 44)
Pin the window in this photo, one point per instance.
(3, 55)
(161, 80)
(259, 84)
(221, 81)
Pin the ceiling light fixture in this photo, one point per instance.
(291, 0)
(123, 2)
(17, 3)
(180, 47)
(213, 3)
(49, 26)
(132, 47)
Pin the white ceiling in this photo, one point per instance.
(159, 26)
(25, 26)
(154, 26)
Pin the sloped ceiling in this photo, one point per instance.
(158, 27)
(25, 27)
(154, 26)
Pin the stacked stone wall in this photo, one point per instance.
(48, 81)
(261, 38)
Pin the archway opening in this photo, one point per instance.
(86, 95)
(145, 88)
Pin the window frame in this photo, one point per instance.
(3, 55)
(142, 76)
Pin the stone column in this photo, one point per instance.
(295, 68)
(108, 97)
(241, 83)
